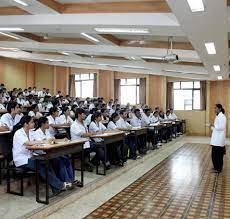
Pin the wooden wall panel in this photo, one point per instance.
(62, 79)
(106, 84)
(30, 74)
(157, 91)
(44, 77)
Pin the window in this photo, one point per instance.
(130, 91)
(84, 85)
(187, 95)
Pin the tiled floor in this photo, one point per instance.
(181, 186)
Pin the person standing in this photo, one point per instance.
(218, 138)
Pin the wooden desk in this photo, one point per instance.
(52, 151)
(137, 131)
(108, 138)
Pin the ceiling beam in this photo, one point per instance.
(159, 6)
(156, 44)
(184, 55)
(12, 11)
(52, 4)
(67, 41)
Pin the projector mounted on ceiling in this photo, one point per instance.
(170, 57)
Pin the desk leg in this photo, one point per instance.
(73, 164)
(37, 165)
(82, 166)
(47, 184)
(105, 151)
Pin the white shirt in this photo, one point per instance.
(154, 119)
(22, 102)
(77, 129)
(111, 126)
(91, 106)
(122, 124)
(8, 120)
(145, 120)
(219, 131)
(18, 118)
(32, 114)
(88, 119)
(20, 153)
(135, 122)
(111, 112)
(39, 135)
(172, 116)
(93, 127)
(52, 121)
(63, 120)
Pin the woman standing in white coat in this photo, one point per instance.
(218, 138)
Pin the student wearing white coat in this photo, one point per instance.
(218, 138)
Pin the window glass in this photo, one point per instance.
(77, 77)
(196, 84)
(176, 85)
(196, 99)
(187, 84)
(186, 97)
(84, 76)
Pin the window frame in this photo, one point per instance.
(137, 85)
(192, 89)
(81, 80)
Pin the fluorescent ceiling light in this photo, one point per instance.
(9, 35)
(216, 67)
(21, 3)
(89, 37)
(12, 49)
(219, 77)
(11, 29)
(65, 53)
(210, 47)
(133, 58)
(151, 57)
(196, 5)
(122, 30)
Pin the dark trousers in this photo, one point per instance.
(217, 157)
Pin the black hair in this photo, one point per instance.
(41, 121)
(22, 122)
(64, 109)
(53, 110)
(136, 110)
(168, 111)
(20, 93)
(113, 116)
(34, 106)
(94, 110)
(146, 110)
(219, 106)
(10, 106)
(95, 115)
(79, 111)
(122, 112)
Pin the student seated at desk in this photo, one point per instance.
(162, 116)
(62, 163)
(34, 112)
(98, 128)
(136, 122)
(146, 120)
(23, 137)
(116, 152)
(8, 119)
(65, 118)
(172, 114)
(52, 118)
(88, 119)
(122, 124)
(79, 130)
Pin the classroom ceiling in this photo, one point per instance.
(126, 35)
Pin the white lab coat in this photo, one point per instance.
(52, 121)
(77, 129)
(145, 120)
(219, 131)
(20, 153)
(63, 120)
(135, 122)
(111, 126)
(122, 124)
